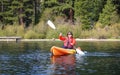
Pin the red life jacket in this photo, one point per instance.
(67, 41)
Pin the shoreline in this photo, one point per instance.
(58, 40)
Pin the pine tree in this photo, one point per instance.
(107, 13)
(87, 11)
(62, 7)
(5, 13)
(22, 12)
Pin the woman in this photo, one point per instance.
(69, 41)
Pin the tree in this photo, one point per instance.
(107, 13)
(22, 12)
(29, 12)
(4, 12)
(62, 7)
(88, 11)
(117, 4)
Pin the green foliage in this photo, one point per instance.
(90, 17)
(61, 8)
(20, 31)
(47, 14)
(32, 35)
(42, 31)
(50, 3)
(108, 14)
(52, 34)
(64, 29)
(2, 33)
(106, 32)
(88, 11)
(19, 11)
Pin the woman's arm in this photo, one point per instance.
(61, 37)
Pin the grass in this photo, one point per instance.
(43, 31)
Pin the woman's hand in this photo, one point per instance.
(71, 44)
(60, 34)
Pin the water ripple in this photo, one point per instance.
(103, 54)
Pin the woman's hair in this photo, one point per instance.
(70, 33)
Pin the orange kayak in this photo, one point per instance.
(61, 51)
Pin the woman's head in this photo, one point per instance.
(70, 34)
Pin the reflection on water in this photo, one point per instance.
(34, 58)
(63, 65)
(100, 46)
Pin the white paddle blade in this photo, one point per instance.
(51, 24)
(80, 52)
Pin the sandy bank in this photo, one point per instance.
(59, 40)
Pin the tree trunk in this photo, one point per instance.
(2, 6)
(20, 17)
(71, 16)
(35, 11)
(1, 18)
(20, 13)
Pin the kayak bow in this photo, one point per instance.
(61, 51)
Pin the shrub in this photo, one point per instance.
(9, 30)
(43, 31)
(85, 34)
(29, 34)
(114, 30)
(20, 31)
(33, 35)
(52, 34)
(1, 32)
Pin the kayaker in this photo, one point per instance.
(69, 41)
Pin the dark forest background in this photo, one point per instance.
(85, 18)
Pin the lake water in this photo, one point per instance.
(34, 58)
